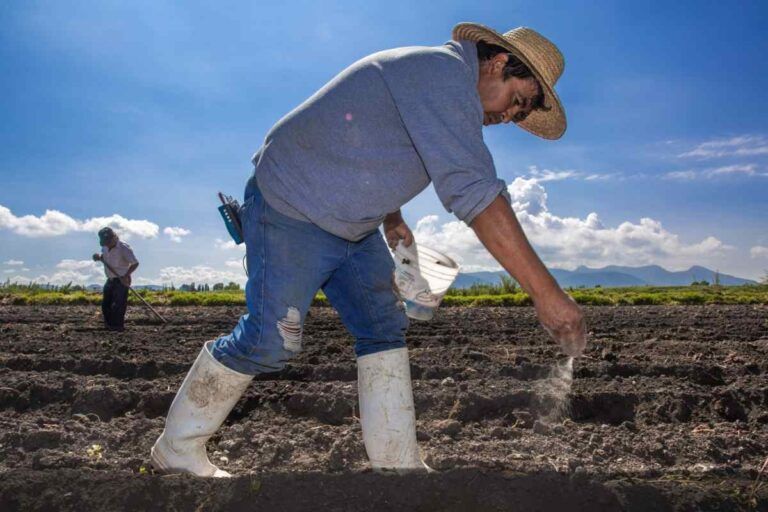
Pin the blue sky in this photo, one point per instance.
(137, 113)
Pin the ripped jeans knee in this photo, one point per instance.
(253, 349)
(291, 329)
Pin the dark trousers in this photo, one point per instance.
(114, 303)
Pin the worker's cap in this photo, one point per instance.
(105, 235)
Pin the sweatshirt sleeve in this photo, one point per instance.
(444, 119)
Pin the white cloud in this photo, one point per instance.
(88, 265)
(528, 195)
(228, 245)
(545, 175)
(680, 175)
(13, 263)
(759, 251)
(176, 233)
(601, 177)
(55, 223)
(125, 228)
(199, 274)
(715, 172)
(51, 223)
(748, 169)
(567, 242)
(80, 272)
(9, 271)
(548, 175)
(23, 280)
(58, 278)
(234, 263)
(72, 276)
(744, 145)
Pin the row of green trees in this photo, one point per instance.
(507, 285)
(217, 287)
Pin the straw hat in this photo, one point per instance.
(543, 59)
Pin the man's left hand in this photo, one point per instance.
(126, 280)
(395, 229)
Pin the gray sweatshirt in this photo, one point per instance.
(376, 135)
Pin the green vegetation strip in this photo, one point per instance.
(500, 296)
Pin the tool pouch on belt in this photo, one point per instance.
(229, 211)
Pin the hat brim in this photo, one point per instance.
(548, 124)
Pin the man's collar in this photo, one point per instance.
(467, 52)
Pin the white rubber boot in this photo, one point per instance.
(207, 395)
(387, 415)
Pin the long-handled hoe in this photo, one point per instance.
(137, 295)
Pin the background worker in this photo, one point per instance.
(329, 174)
(120, 258)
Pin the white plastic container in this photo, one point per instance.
(422, 276)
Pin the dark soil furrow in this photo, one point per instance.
(668, 410)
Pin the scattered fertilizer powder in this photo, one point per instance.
(552, 392)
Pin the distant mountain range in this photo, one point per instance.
(612, 276)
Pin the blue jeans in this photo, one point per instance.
(288, 262)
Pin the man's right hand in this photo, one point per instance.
(500, 232)
(96, 256)
(563, 319)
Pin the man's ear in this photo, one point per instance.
(498, 62)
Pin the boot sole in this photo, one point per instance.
(161, 466)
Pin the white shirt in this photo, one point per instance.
(120, 258)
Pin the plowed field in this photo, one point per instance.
(667, 411)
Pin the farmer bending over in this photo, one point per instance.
(119, 263)
(327, 176)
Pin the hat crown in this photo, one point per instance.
(538, 50)
(543, 59)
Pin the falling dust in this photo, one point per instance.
(552, 400)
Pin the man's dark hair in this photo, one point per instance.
(513, 68)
